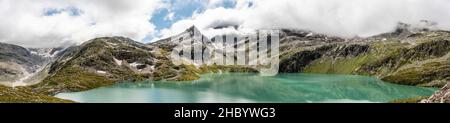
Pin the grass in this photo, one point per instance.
(338, 66)
(420, 74)
(25, 95)
(408, 100)
(71, 79)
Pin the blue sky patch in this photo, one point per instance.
(72, 11)
(181, 9)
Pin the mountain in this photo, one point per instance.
(192, 33)
(108, 60)
(188, 39)
(18, 65)
(409, 56)
(100, 62)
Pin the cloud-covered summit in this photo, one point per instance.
(51, 23)
(345, 18)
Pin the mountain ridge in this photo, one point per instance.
(403, 57)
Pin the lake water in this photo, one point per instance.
(244, 87)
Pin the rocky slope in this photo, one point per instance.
(442, 96)
(20, 66)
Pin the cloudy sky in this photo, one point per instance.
(52, 23)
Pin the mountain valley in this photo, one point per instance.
(406, 56)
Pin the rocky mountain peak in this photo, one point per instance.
(192, 29)
(19, 64)
(189, 34)
(422, 26)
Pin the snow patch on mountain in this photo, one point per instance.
(118, 62)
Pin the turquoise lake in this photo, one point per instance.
(252, 88)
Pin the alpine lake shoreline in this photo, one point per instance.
(399, 100)
(414, 57)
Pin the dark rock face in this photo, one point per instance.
(298, 61)
(427, 50)
(6, 71)
(352, 50)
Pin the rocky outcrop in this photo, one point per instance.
(298, 61)
(350, 50)
(442, 96)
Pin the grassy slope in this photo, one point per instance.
(338, 66)
(351, 65)
(24, 95)
(71, 79)
(408, 100)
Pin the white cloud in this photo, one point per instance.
(206, 22)
(169, 16)
(337, 17)
(24, 22)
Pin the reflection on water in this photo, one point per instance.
(242, 87)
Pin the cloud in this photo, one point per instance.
(169, 16)
(207, 21)
(345, 18)
(50, 23)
